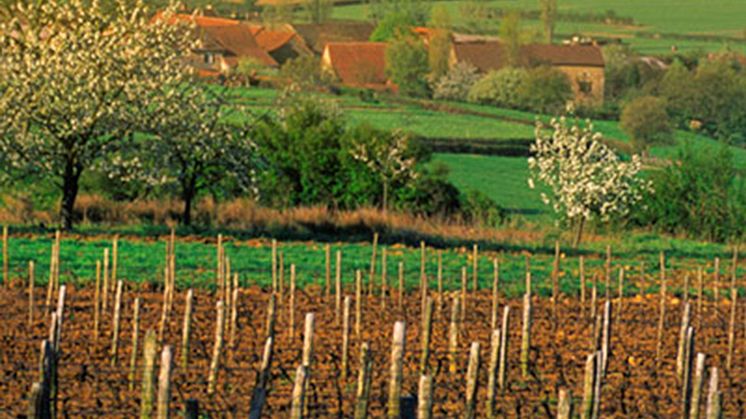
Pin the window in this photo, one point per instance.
(585, 85)
(209, 58)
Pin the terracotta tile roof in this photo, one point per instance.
(270, 39)
(317, 36)
(360, 64)
(490, 55)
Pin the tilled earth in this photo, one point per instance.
(91, 387)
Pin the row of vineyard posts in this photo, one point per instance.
(155, 380)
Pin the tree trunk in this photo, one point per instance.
(189, 191)
(579, 233)
(70, 188)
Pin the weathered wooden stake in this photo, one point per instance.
(281, 276)
(699, 378)
(581, 267)
(662, 318)
(463, 293)
(472, 374)
(115, 258)
(363, 382)
(495, 289)
(502, 370)
(164, 383)
(307, 359)
(714, 406)
(732, 327)
(555, 282)
(327, 270)
(31, 280)
(115, 324)
(346, 338)
(425, 397)
(598, 385)
(274, 263)
(607, 272)
(594, 295)
(526, 336)
(686, 382)
(147, 391)
(259, 395)
(37, 402)
(680, 353)
(400, 296)
(589, 385)
(686, 287)
(234, 319)
(384, 279)
(492, 371)
(358, 303)
(97, 301)
(475, 268)
(105, 300)
(397, 364)
(564, 404)
(716, 281)
(606, 338)
(298, 395)
(338, 287)
(271, 316)
(186, 330)
(135, 338)
(372, 272)
(217, 349)
(427, 326)
(700, 292)
(439, 278)
(291, 305)
(453, 332)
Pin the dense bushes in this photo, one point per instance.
(540, 89)
(456, 83)
(701, 194)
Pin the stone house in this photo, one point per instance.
(357, 64)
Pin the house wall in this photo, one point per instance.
(587, 83)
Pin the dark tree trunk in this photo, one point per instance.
(189, 190)
(578, 233)
(70, 188)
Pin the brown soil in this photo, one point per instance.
(91, 387)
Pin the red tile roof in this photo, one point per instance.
(361, 64)
(271, 39)
(317, 35)
(490, 55)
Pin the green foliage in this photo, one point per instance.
(701, 194)
(431, 194)
(396, 17)
(500, 88)
(510, 35)
(318, 11)
(439, 47)
(548, 18)
(475, 16)
(456, 83)
(480, 209)
(393, 24)
(406, 65)
(646, 122)
(306, 73)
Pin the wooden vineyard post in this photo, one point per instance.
(581, 268)
(37, 401)
(475, 269)
(502, 369)
(6, 277)
(358, 303)
(453, 332)
(607, 273)
(372, 272)
(698, 381)
(589, 379)
(135, 338)
(495, 285)
(105, 300)
(338, 286)
(594, 296)
(700, 292)
(425, 397)
(686, 382)
(732, 327)
(426, 330)
(298, 395)
(97, 301)
(528, 274)
(281, 276)
(555, 282)
(31, 280)
(307, 358)
(291, 305)
(716, 281)
(363, 383)
(327, 270)
(463, 293)
(234, 320)
(148, 375)
(186, 330)
(439, 278)
(217, 349)
(346, 338)
(472, 374)
(492, 370)
(526, 335)
(686, 287)
(423, 261)
(164, 383)
(259, 394)
(115, 258)
(400, 296)
(46, 370)
(273, 262)
(597, 385)
(714, 401)
(564, 404)
(384, 279)
(606, 338)
(621, 293)
(115, 324)
(662, 318)
(397, 364)
(685, 321)
(271, 316)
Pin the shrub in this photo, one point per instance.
(407, 65)
(431, 194)
(545, 90)
(646, 122)
(499, 88)
(701, 195)
(480, 209)
(305, 72)
(456, 83)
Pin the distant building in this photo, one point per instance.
(582, 64)
(357, 64)
(221, 44)
(280, 41)
(317, 35)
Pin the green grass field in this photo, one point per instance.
(143, 260)
(653, 21)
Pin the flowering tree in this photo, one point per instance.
(77, 80)
(585, 177)
(193, 144)
(388, 156)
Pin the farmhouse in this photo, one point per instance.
(357, 64)
(281, 42)
(221, 44)
(317, 35)
(583, 64)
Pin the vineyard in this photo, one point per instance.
(365, 342)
